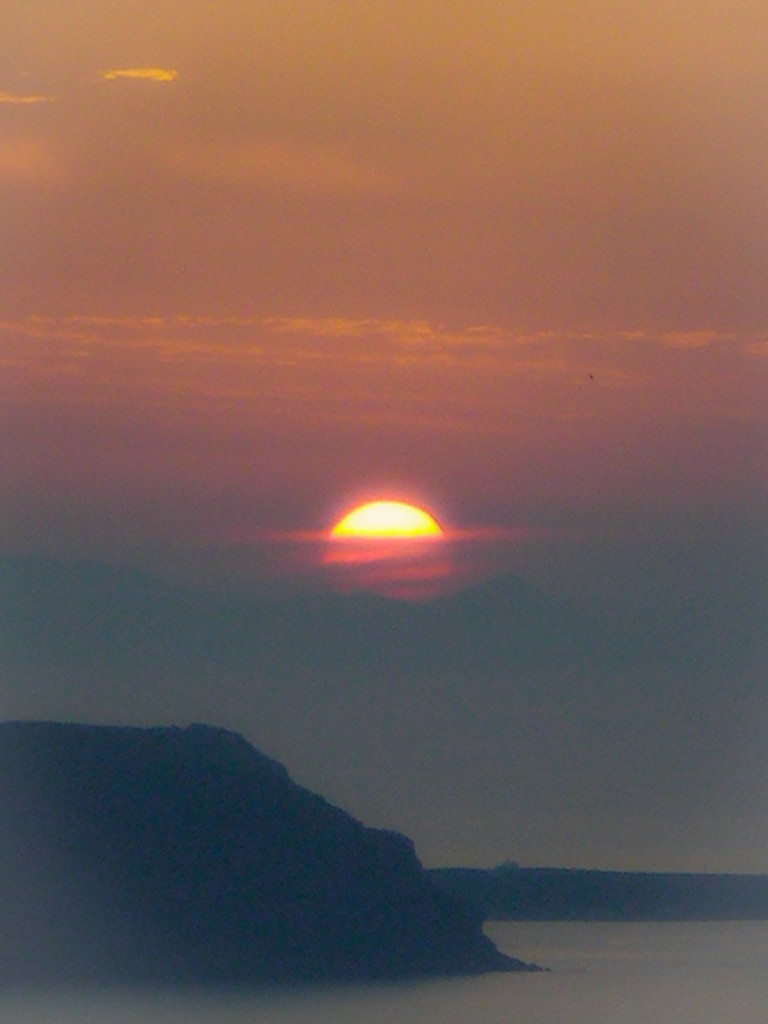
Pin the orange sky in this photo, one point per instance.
(262, 259)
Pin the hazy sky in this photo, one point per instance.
(262, 260)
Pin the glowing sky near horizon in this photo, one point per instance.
(263, 262)
(257, 258)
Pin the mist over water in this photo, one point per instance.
(649, 973)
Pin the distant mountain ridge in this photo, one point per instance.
(513, 893)
(79, 610)
(73, 612)
(184, 855)
(70, 611)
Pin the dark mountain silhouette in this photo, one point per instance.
(186, 856)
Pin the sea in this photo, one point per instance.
(598, 973)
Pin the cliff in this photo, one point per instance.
(186, 856)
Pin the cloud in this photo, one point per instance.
(10, 97)
(322, 337)
(690, 339)
(147, 74)
(368, 368)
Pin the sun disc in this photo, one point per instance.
(387, 519)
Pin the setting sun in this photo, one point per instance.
(387, 519)
(389, 548)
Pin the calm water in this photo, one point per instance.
(600, 974)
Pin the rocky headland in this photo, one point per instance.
(184, 855)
